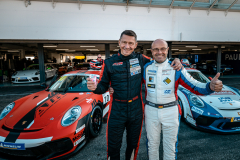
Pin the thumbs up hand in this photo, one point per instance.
(215, 84)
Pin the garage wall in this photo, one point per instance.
(66, 22)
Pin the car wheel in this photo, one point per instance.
(181, 105)
(96, 121)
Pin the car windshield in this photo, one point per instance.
(71, 83)
(199, 76)
(32, 67)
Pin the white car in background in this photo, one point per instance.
(32, 74)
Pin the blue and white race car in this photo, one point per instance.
(217, 112)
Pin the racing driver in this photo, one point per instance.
(161, 108)
(124, 72)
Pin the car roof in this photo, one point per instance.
(85, 72)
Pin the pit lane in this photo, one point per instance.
(192, 144)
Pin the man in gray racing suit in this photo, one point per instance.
(162, 111)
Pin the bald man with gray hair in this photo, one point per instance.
(162, 111)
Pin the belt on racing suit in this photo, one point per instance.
(160, 106)
(129, 101)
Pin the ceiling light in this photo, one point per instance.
(62, 49)
(87, 46)
(175, 49)
(191, 46)
(115, 49)
(182, 50)
(236, 50)
(149, 49)
(49, 46)
(93, 49)
(70, 50)
(196, 49)
(222, 46)
(13, 50)
(118, 46)
(215, 46)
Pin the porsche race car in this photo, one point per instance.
(54, 122)
(217, 112)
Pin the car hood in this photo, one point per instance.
(41, 108)
(27, 72)
(227, 99)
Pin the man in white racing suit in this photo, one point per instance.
(162, 111)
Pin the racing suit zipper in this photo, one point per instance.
(127, 85)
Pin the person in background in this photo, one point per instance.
(99, 59)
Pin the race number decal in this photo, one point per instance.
(106, 97)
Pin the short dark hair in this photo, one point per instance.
(129, 33)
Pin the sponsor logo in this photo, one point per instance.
(78, 136)
(166, 72)
(236, 119)
(88, 93)
(236, 128)
(151, 85)
(89, 100)
(133, 61)
(151, 90)
(225, 100)
(118, 64)
(223, 93)
(151, 78)
(168, 91)
(197, 110)
(79, 141)
(239, 113)
(151, 104)
(153, 71)
(80, 128)
(15, 146)
(81, 93)
(167, 81)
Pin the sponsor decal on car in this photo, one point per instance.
(79, 141)
(191, 120)
(235, 119)
(226, 100)
(80, 128)
(223, 93)
(89, 100)
(14, 146)
(81, 93)
(236, 128)
(197, 110)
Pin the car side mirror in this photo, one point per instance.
(210, 78)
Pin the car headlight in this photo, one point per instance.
(37, 73)
(71, 116)
(196, 101)
(15, 73)
(6, 110)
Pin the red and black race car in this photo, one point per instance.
(54, 122)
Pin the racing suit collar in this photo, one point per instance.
(161, 64)
(125, 57)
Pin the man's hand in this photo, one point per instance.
(91, 85)
(111, 91)
(215, 84)
(176, 64)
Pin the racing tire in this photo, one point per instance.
(95, 125)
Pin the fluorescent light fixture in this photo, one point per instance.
(196, 49)
(118, 46)
(182, 50)
(115, 49)
(222, 46)
(191, 46)
(49, 46)
(62, 49)
(175, 49)
(149, 49)
(215, 46)
(13, 50)
(93, 49)
(70, 50)
(87, 46)
(236, 50)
